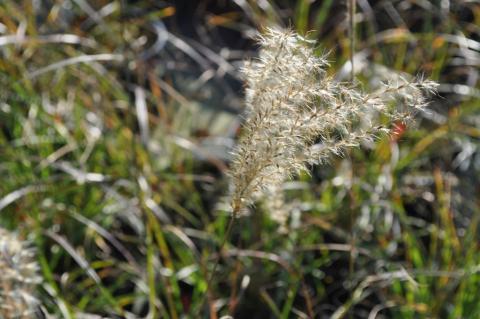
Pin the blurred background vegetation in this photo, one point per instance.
(116, 123)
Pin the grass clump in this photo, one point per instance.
(117, 124)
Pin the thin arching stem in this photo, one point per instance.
(226, 237)
(351, 35)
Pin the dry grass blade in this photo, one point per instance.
(142, 115)
(82, 262)
(75, 60)
(104, 233)
(51, 38)
(19, 193)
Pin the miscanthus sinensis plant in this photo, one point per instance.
(18, 277)
(298, 116)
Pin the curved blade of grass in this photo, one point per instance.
(83, 263)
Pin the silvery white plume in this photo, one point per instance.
(298, 116)
(18, 277)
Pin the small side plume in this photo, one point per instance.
(18, 277)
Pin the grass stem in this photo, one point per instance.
(225, 238)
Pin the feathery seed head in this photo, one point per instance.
(298, 116)
(18, 277)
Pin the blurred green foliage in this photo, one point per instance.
(116, 122)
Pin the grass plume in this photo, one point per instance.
(18, 277)
(297, 115)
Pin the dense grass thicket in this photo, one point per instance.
(118, 119)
